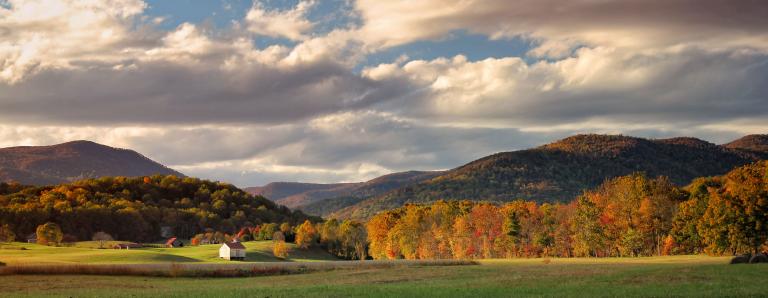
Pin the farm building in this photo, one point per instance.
(32, 238)
(174, 242)
(232, 251)
(126, 245)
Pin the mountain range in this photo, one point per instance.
(558, 171)
(71, 161)
(316, 198)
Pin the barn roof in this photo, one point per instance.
(235, 245)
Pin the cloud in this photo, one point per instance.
(291, 24)
(224, 103)
(682, 85)
(54, 72)
(348, 146)
(44, 34)
(563, 25)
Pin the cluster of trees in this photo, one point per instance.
(626, 216)
(136, 209)
(726, 214)
(346, 239)
(265, 231)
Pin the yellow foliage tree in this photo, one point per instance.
(280, 249)
(306, 234)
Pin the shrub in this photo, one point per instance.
(758, 258)
(743, 259)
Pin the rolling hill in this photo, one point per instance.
(561, 170)
(751, 144)
(312, 198)
(67, 162)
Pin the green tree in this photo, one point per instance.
(588, 234)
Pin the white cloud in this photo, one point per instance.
(561, 25)
(43, 34)
(678, 85)
(291, 24)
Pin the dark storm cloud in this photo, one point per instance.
(172, 93)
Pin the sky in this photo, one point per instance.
(251, 92)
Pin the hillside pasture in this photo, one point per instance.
(87, 253)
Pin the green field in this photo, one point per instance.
(692, 276)
(86, 253)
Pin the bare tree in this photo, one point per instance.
(102, 237)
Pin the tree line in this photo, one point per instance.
(626, 216)
(632, 215)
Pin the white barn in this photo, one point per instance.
(232, 251)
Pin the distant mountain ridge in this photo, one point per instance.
(561, 170)
(72, 161)
(300, 195)
(751, 144)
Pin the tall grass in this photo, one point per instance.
(218, 270)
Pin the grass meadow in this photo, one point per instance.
(87, 253)
(689, 276)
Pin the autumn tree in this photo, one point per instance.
(278, 236)
(736, 218)
(405, 234)
(686, 222)
(7, 234)
(306, 235)
(49, 234)
(329, 236)
(378, 229)
(353, 236)
(287, 230)
(462, 244)
(280, 249)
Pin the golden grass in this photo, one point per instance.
(217, 270)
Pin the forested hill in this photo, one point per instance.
(67, 162)
(753, 144)
(137, 208)
(561, 170)
(313, 197)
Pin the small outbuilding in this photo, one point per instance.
(232, 251)
(32, 238)
(174, 242)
